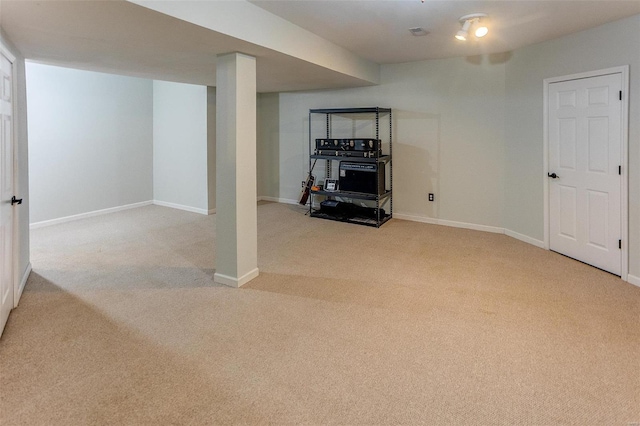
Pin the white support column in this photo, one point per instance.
(236, 192)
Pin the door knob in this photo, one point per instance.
(15, 200)
(553, 175)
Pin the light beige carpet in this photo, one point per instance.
(120, 323)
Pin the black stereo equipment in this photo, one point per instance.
(331, 185)
(339, 146)
(365, 144)
(332, 207)
(348, 210)
(330, 144)
(370, 212)
(360, 154)
(362, 177)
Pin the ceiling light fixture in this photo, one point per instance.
(467, 21)
(481, 31)
(463, 33)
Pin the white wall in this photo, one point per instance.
(211, 147)
(90, 141)
(180, 145)
(448, 122)
(100, 141)
(268, 144)
(610, 45)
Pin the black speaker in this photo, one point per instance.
(334, 144)
(367, 178)
(359, 145)
(365, 145)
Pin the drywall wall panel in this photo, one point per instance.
(268, 148)
(180, 145)
(606, 46)
(448, 123)
(211, 147)
(90, 141)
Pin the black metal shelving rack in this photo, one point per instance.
(380, 200)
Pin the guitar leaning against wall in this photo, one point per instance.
(304, 194)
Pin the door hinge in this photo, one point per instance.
(620, 93)
(620, 244)
(620, 170)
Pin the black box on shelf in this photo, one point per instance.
(349, 147)
(329, 144)
(368, 178)
(365, 144)
(348, 154)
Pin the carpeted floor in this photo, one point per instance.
(120, 323)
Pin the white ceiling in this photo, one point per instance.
(120, 37)
(124, 38)
(378, 29)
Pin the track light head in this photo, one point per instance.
(467, 21)
(481, 31)
(463, 33)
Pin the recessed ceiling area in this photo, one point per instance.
(121, 37)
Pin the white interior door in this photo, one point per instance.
(585, 157)
(6, 190)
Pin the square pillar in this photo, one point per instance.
(236, 188)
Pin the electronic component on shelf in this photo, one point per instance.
(342, 209)
(331, 185)
(365, 144)
(329, 206)
(368, 178)
(369, 212)
(328, 144)
(359, 154)
(367, 148)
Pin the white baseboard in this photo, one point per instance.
(181, 207)
(524, 238)
(413, 218)
(452, 223)
(485, 228)
(44, 223)
(632, 279)
(23, 282)
(277, 200)
(235, 282)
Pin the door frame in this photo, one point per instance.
(624, 161)
(14, 136)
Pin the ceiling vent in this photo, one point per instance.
(418, 31)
